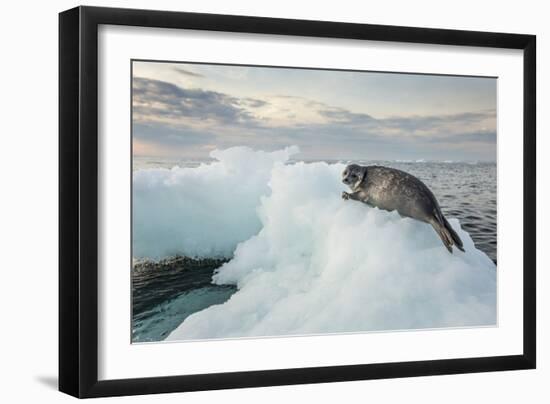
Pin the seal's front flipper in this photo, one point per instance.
(354, 196)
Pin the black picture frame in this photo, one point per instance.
(78, 201)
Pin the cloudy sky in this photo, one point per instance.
(183, 110)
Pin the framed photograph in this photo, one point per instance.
(251, 201)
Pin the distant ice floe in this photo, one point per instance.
(305, 261)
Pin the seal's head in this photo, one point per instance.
(353, 175)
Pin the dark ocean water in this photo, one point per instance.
(164, 293)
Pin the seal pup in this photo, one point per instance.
(392, 189)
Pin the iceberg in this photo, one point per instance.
(303, 260)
